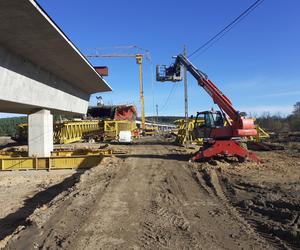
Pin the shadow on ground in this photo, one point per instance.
(11, 144)
(177, 157)
(12, 221)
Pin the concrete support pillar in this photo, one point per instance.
(40, 133)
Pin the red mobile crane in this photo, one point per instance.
(219, 139)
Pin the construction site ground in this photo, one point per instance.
(153, 198)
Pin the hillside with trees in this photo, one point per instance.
(277, 123)
(8, 126)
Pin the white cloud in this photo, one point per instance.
(287, 93)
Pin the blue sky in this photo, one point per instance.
(256, 64)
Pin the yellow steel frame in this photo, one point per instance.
(67, 159)
(261, 135)
(48, 163)
(72, 131)
(69, 131)
(113, 127)
(181, 133)
(106, 152)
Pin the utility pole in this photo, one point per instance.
(156, 114)
(139, 61)
(186, 108)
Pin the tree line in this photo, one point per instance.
(274, 123)
(9, 126)
(278, 123)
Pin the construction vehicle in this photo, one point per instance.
(219, 139)
(195, 124)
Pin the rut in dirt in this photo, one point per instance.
(273, 212)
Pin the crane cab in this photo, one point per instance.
(212, 123)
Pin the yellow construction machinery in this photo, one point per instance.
(194, 123)
(67, 131)
(182, 137)
(72, 131)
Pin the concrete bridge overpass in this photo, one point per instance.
(41, 71)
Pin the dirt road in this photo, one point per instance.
(151, 198)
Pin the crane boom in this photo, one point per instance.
(241, 126)
(111, 55)
(218, 97)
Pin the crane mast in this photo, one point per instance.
(139, 61)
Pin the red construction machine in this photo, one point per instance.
(219, 139)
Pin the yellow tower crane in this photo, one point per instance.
(139, 61)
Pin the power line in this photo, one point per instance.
(228, 27)
(167, 100)
(224, 33)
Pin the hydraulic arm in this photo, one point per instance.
(222, 140)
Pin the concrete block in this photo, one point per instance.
(40, 133)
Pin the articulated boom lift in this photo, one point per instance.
(219, 139)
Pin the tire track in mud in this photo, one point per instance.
(209, 180)
(272, 219)
(165, 226)
(183, 214)
(278, 225)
